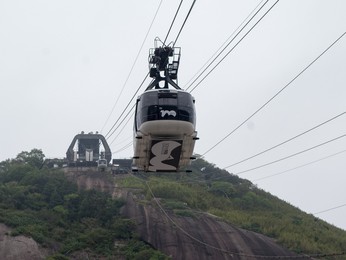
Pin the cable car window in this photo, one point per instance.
(167, 95)
(186, 107)
(165, 105)
(151, 113)
(185, 100)
(147, 108)
(168, 102)
(149, 98)
(138, 117)
(167, 98)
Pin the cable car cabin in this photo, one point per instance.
(102, 164)
(164, 130)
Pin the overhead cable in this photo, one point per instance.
(273, 97)
(292, 155)
(128, 145)
(133, 65)
(107, 136)
(228, 42)
(241, 39)
(300, 166)
(128, 120)
(288, 140)
(110, 132)
(326, 210)
(187, 16)
(175, 16)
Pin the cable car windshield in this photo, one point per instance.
(165, 105)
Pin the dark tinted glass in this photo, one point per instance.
(165, 105)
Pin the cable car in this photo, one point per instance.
(102, 164)
(165, 118)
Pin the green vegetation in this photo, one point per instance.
(239, 202)
(131, 182)
(44, 205)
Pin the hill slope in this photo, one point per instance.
(185, 198)
(206, 214)
(197, 235)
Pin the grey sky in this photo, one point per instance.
(64, 63)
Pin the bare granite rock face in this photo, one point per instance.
(200, 237)
(19, 247)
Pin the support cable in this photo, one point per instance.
(128, 145)
(181, 28)
(245, 22)
(241, 39)
(292, 155)
(273, 97)
(170, 28)
(108, 135)
(128, 120)
(110, 132)
(326, 210)
(300, 166)
(288, 140)
(133, 65)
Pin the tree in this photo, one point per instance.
(34, 158)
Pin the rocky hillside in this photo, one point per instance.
(202, 236)
(81, 213)
(19, 247)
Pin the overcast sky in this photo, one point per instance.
(63, 65)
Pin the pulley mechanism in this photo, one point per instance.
(163, 65)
